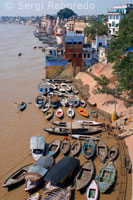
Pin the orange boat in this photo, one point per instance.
(83, 112)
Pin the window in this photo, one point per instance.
(79, 42)
(88, 55)
(84, 55)
(109, 25)
(117, 16)
(80, 55)
(113, 23)
(117, 25)
(74, 55)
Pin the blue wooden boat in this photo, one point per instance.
(37, 171)
(22, 106)
(89, 148)
(106, 177)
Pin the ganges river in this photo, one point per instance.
(19, 78)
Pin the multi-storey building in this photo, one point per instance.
(115, 15)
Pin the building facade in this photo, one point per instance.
(115, 16)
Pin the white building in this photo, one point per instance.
(102, 58)
(115, 16)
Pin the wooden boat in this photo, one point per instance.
(61, 172)
(64, 101)
(73, 101)
(71, 129)
(65, 87)
(94, 114)
(70, 112)
(82, 122)
(85, 175)
(75, 148)
(60, 194)
(89, 148)
(35, 196)
(49, 114)
(128, 164)
(113, 153)
(82, 103)
(22, 106)
(45, 107)
(102, 150)
(58, 80)
(83, 112)
(37, 146)
(65, 146)
(88, 123)
(37, 171)
(17, 177)
(40, 101)
(92, 191)
(53, 147)
(84, 137)
(106, 177)
(59, 94)
(59, 113)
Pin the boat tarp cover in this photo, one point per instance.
(37, 142)
(61, 170)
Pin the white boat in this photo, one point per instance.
(82, 103)
(70, 112)
(52, 86)
(84, 137)
(89, 123)
(59, 113)
(37, 146)
(65, 87)
(40, 101)
(45, 107)
(92, 191)
(64, 101)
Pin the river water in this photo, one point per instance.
(19, 77)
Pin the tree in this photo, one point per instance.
(66, 13)
(118, 53)
(97, 28)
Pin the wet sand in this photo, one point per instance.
(16, 128)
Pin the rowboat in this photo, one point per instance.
(22, 106)
(128, 163)
(37, 171)
(17, 177)
(35, 196)
(57, 80)
(94, 114)
(84, 137)
(75, 92)
(65, 87)
(64, 101)
(85, 175)
(89, 148)
(59, 113)
(106, 177)
(76, 147)
(53, 147)
(113, 153)
(102, 150)
(82, 103)
(62, 172)
(65, 146)
(70, 112)
(45, 107)
(92, 191)
(39, 101)
(60, 194)
(71, 129)
(82, 122)
(89, 123)
(49, 114)
(83, 112)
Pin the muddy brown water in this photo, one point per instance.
(19, 78)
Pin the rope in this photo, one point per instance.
(14, 166)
